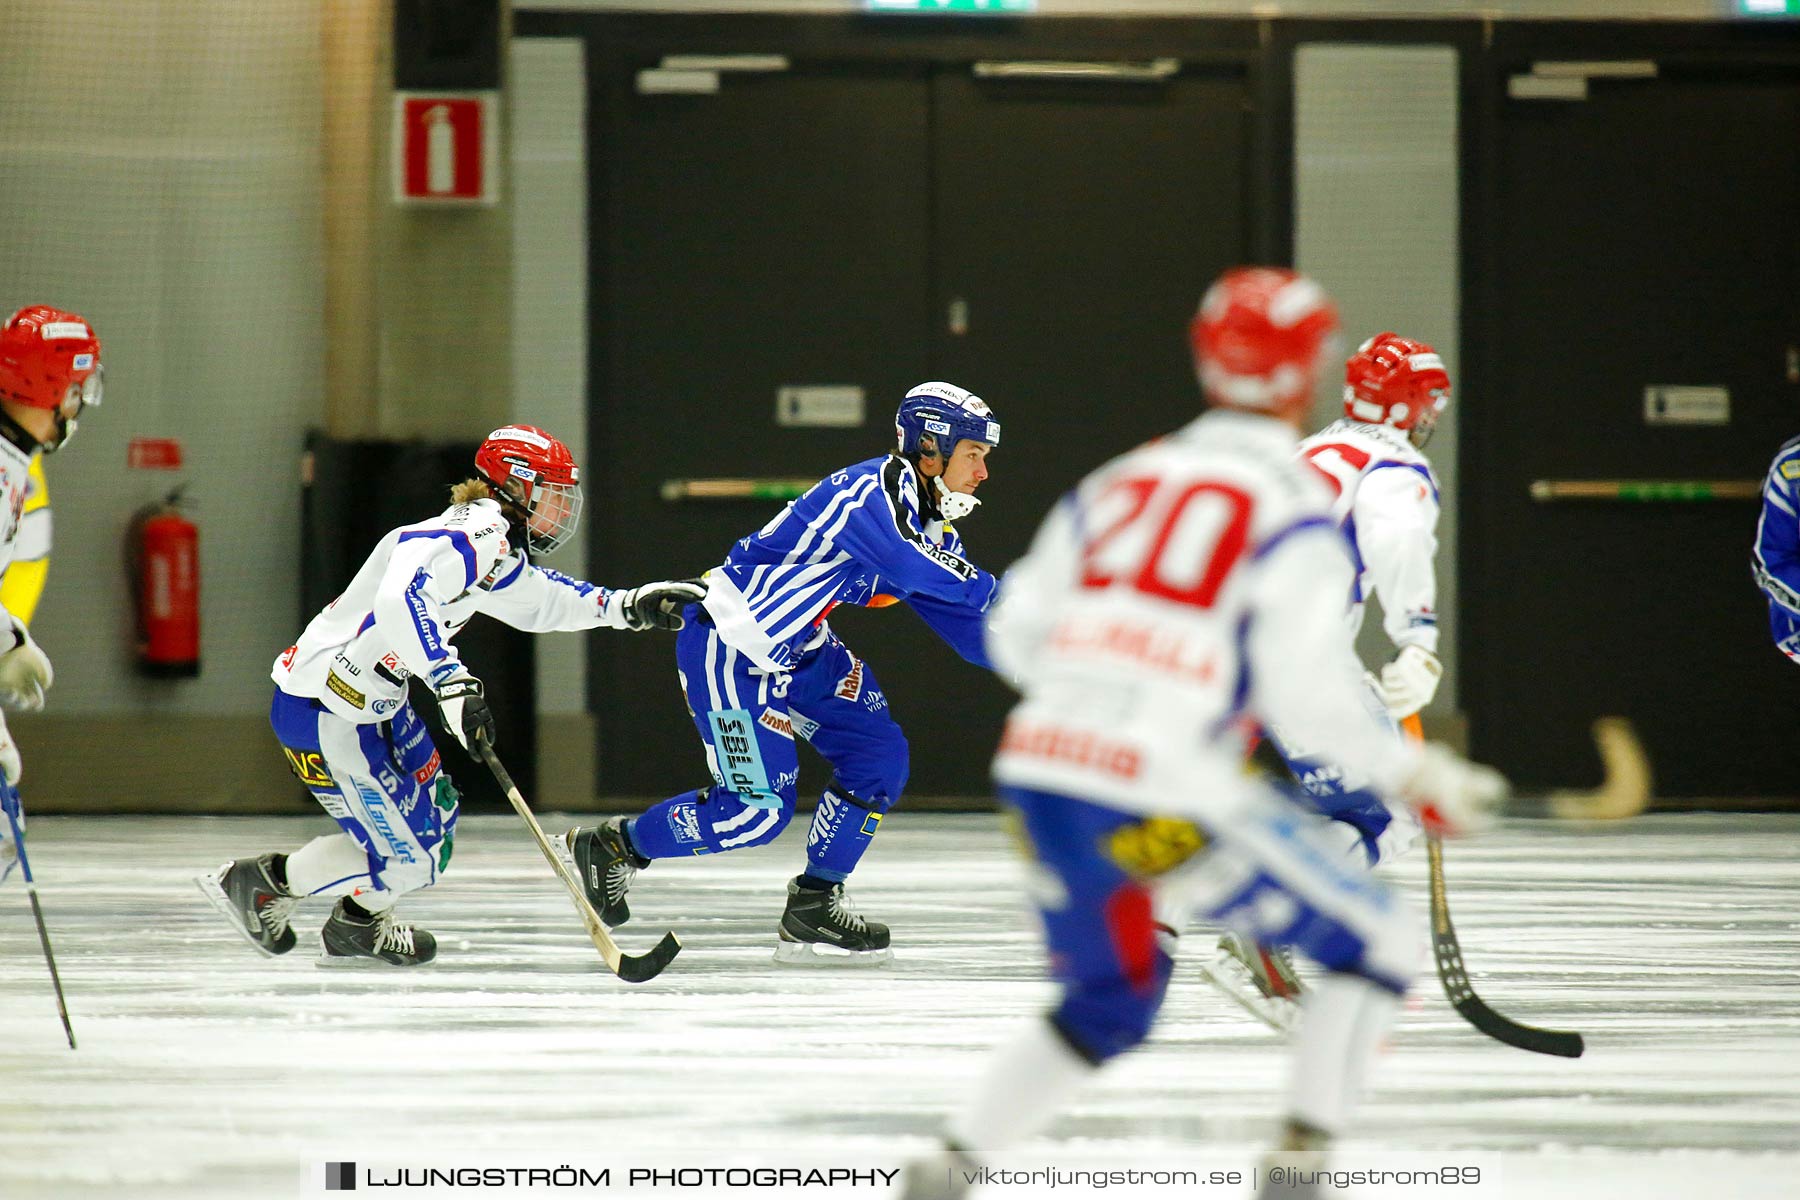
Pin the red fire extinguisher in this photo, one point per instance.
(165, 575)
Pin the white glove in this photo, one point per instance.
(1410, 681)
(10, 765)
(25, 673)
(464, 708)
(658, 605)
(1453, 796)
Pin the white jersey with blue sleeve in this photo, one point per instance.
(413, 595)
(861, 534)
(1387, 502)
(1775, 560)
(1180, 596)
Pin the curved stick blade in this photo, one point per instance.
(636, 968)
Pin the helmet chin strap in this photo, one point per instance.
(954, 505)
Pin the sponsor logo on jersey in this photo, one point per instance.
(344, 664)
(349, 694)
(377, 808)
(1139, 643)
(826, 820)
(739, 758)
(382, 708)
(415, 732)
(422, 618)
(850, 686)
(287, 657)
(1077, 748)
(581, 586)
(1322, 781)
(1791, 469)
(947, 560)
(432, 765)
(309, 767)
(1154, 846)
(392, 669)
(873, 700)
(804, 727)
(775, 722)
(684, 823)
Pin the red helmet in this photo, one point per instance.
(535, 477)
(1258, 339)
(1396, 381)
(50, 359)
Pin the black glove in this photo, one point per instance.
(465, 710)
(659, 605)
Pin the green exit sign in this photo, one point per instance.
(1769, 8)
(951, 6)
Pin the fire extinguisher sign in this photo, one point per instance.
(446, 147)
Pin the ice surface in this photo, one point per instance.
(1672, 942)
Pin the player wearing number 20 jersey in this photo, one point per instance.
(1181, 594)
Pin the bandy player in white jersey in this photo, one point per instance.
(49, 372)
(1178, 597)
(341, 712)
(1386, 501)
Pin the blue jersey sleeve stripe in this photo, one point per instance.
(1268, 544)
(459, 539)
(1424, 472)
(891, 478)
(511, 575)
(422, 623)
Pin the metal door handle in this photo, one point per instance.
(1154, 71)
(1546, 491)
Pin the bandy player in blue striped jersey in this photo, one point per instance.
(342, 715)
(1776, 557)
(763, 670)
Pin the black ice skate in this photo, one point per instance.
(821, 925)
(355, 941)
(245, 891)
(1259, 978)
(943, 1176)
(606, 866)
(1294, 1170)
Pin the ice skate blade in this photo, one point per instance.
(1233, 978)
(358, 962)
(816, 954)
(213, 888)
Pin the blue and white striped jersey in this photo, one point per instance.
(418, 588)
(1776, 557)
(856, 536)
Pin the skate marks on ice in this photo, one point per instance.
(206, 1069)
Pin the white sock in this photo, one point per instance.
(1345, 1019)
(333, 865)
(1027, 1081)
